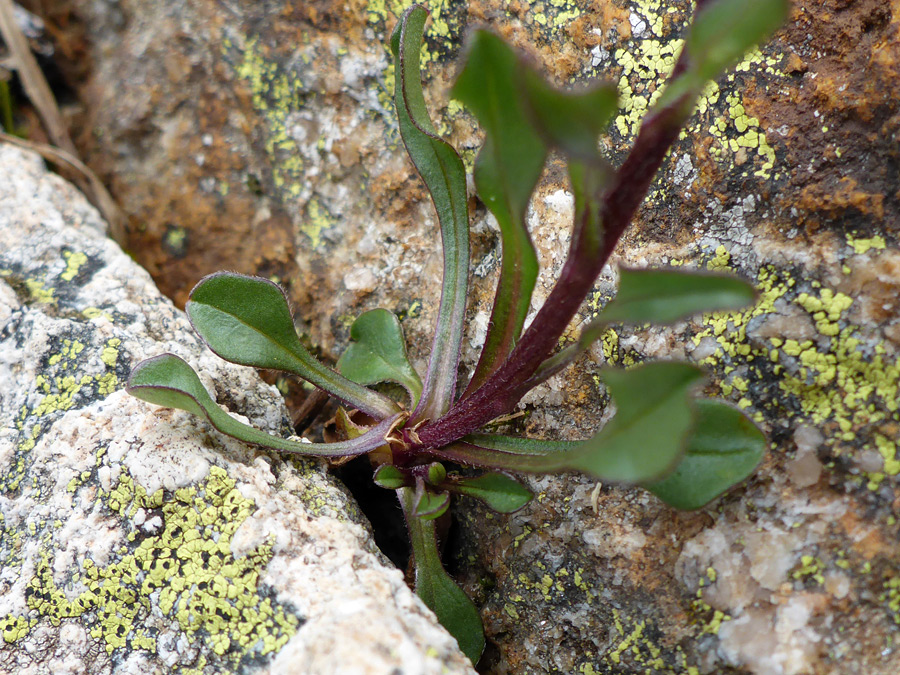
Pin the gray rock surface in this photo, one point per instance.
(136, 539)
(259, 136)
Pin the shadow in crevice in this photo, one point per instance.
(381, 507)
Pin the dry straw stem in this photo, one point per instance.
(100, 197)
(64, 154)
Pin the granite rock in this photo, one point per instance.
(137, 539)
(786, 175)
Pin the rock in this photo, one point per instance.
(137, 539)
(212, 120)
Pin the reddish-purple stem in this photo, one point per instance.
(500, 393)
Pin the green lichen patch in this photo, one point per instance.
(317, 493)
(810, 568)
(443, 37)
(177, 565)
(568, 587)
(277, 93)
(57, 278)
(318, 221)
(275, 81)
(862, 245)
(54, 286)
(74, 262)
(10, 546)
(891, 597)
(29, 290)
(702, 613)
(637, 647)
(66, 381)
(644, 63)
(843, 380)
(176, 241)
(15, 627)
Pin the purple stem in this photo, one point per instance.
(500, 393)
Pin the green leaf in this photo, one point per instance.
(666, 296)
(445, 177)
(500, 492)
(722, 32)
(656, 296)
(506, 170)
(570, 121)
(390, 477)
(169, 381)
(379, 353)
(589, 182)
(246, 320)
(725, 29)
(723, 449)
(554, 455)
(439, 592)
(436, 473)
(431, 505)
(654, 414)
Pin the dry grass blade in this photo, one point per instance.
(32, 79)
(101, 198)
(64, 154)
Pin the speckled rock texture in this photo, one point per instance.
(136, 539)
(260, 136)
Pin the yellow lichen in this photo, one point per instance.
(610, 344)
(110, 352)
(837, 379)
(317, 222)
(862, 246)
(185, 571)
(16, 627)
(720, 261)
(275, 94)
(702, 609)
(95, 312)
(888, 450)
(74, 261)
(892, 597)
(647, 62)
(639, 647)
(57, 389)
(616, 654)
(40, 293)
(810, 567)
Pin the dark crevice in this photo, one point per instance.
(381, 507)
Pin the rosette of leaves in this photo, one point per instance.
(684, 449)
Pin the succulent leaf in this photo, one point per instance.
(645, 439)
(723, 449)
(378, 353)
(444, 175)
(453, 608)
(169, 381)
(500, 492)
(247, 320)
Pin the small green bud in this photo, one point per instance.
(389, 477)
(436, 473)
(432, 505)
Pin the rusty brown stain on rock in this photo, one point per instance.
(833, 200)
(835, 109)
